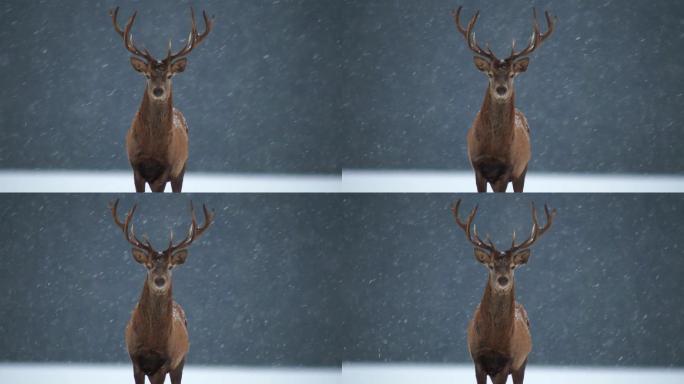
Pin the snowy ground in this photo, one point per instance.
(122, 181)
(113, 373)
(450, 374)
(349, 181)
(36, 373)
(448, 181)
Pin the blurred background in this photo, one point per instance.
(312, 281)
(314, 87)
(602, 287)
(260, 287)
(258, 93)
(602, 95)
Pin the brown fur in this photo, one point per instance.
(157, 145)
(157, 334)
(499, 139)
(157, 337)
(499, 338)
(499, 145)
(157, 141)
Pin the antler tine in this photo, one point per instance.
(457, 18)
(469, 34)
(113, 207)
(194, 231)
(549, 219)
(127, 227)
(537, 231)
(472, 237)
(114, 13)
(537, 36)
(194, 39)
(126, 35)
(454, 211)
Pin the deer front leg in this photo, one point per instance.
(159, 184)
(138, 181)
(177, 374)
(519, 182)
(177, 182)
(500, 185)
(519, 375)
(480, 374)
(500, 378)
(138, 375)
(158, 377)
(480, 182)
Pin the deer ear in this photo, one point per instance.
(178, 66)
(520, 257)
(139, 255)
(481, 256)
(520, 66)
(481, 64)
(178, 257)
(139, 65)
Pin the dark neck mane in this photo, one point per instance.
(497, 118)
(156, 118)
(154, 315)
(497, 310)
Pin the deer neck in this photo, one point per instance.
(154, 315)
(155, 117)
(497, 118)
(497, 311)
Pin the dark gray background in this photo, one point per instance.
(259, 287)
(603, 94)
(319, 279)
(257, 93)
(602, 287)
(316, 86)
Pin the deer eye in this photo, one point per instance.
(168, 76)
(490, 75)
(147, 76)
(170, 266)
(491, 267)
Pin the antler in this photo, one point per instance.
(128, 37)
(194, 231)
(537, 37)
(474, 238)
(129, 234)
(194, 39)
(537, 231)
(469, 35)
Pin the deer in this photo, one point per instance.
(157, 140)
(499, 339)
(157, 333)
(499, 138)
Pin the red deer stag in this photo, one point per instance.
(499, 337)
(499, 139)
(157, 334)
(157, 141)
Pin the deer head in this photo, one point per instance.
(159, 73)
(502, 72)
(159, 264)
(502, 263)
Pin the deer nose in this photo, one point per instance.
(501, 90)
(159, 281)
(502, 281)
(158, 92)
